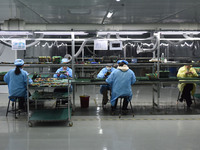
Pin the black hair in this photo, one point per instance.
(17, 70)
(121, 64)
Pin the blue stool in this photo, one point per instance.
(120, 109)
(14, 100)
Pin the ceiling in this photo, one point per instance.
(95, 11)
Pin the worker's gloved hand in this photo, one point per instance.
(67, 74)
(34, 76)
(107, 74)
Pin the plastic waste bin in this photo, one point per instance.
(84, 100)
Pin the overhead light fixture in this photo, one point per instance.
(15, 33)
(109, 15)
(118, 0)
(121, 32)
(79, 11)
(61, 33)
(179, 32)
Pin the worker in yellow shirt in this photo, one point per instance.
(187, 89)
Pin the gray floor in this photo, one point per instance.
(166, 127)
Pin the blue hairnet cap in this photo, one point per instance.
(124, 61)
(64, 60)
(19, 62)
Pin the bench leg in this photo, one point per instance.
(131, 109)
(120, 108)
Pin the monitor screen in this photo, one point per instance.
(115, 45)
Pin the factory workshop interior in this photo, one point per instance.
(158, 42)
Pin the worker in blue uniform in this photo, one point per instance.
(104, 73)
(120, 81)
(17, 82)
(64, 71)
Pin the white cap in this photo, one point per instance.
(19, 62)
(124, 61)
(64, 60)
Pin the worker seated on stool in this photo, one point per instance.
(17, 82)
(63, 72)
(120, 81)
(187, 88)
(104, 73)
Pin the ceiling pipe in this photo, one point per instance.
(28, 45)
(105, 27)
(142, 50)
(18, 24)
(179, 41)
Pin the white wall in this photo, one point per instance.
(8, 55)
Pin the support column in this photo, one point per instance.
(73, 53)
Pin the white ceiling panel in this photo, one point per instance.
(95, 11)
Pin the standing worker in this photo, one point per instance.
(17, 82)
(120, 81)
(104, 73)
(187, 88)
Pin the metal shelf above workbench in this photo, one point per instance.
(102, 64)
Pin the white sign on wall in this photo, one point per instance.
(116, 45)
(18, 44)
(100, 45)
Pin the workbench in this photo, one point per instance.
(156, 84)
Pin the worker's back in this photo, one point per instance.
(121, 80)
(16, 83)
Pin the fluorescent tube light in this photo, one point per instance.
(178, 32)
(15, 33)
(118, 0)
(109, 15)
(61, 33)
(121, 32)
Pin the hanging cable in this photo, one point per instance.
(143, 50)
